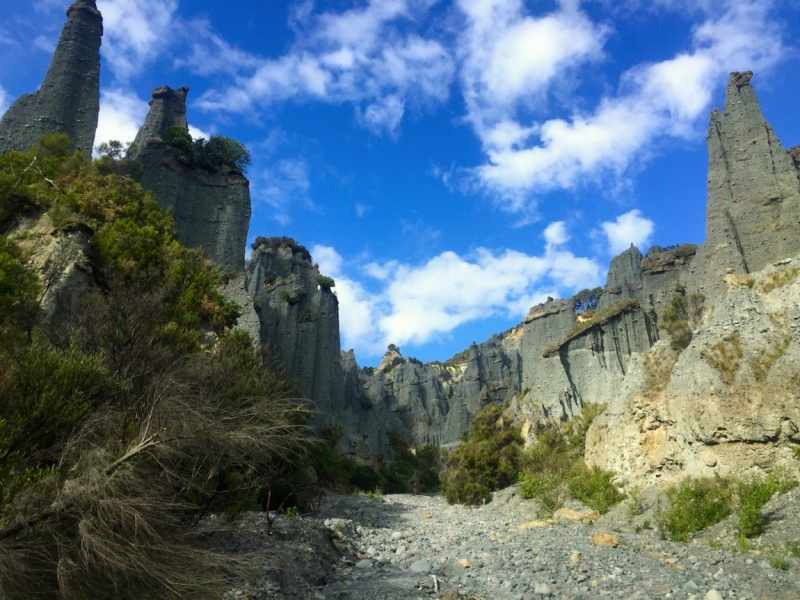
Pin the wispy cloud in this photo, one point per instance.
(136, 33)
(529, 157)
(282, 185)
(416, 303)
(361, 56)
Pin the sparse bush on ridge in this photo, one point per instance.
(598, 318)
(219, 153)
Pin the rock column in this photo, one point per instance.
(69, 99)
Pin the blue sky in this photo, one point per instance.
(450, 163)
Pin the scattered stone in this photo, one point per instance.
(542, 589)
(713, 595)
(464, 563)
(453, 568)
(575, 558)
(533, 524)
(605, 539)
(426, 515)
(421, 566)
(574, 515)
(364, 564)
(450, 595)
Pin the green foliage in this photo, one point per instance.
(326, 283)
(216, 154)
(725, 356)
(682, 317)
(397, 361)
(554, 468)
(113, 160)
(754, 493)
(365, 401)
(696, 504)
(487, 459)
(411, 471)
(19, 290)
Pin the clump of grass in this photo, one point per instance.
(754, 493)
(778, 279)
(658, 364)
(761, 365)
(554, 468)
(725, 356)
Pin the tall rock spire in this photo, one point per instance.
(167, 109)
(69, 99)
(753, 186)
(211, 208)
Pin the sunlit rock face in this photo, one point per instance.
(211, 209)
(69, 99)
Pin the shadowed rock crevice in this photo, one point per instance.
(69, 99)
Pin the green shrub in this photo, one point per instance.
(682, 317)
(696, 504)
(326, 283)
(216, 154)
(486, 460)
(754, 493)
(411, 471)
(598, 318)
(554, 468)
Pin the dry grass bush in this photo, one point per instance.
(683, 315)
(725, 356)
(658, 364)
(118, 430)
(778, 279)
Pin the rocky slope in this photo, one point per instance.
(69, 99)
(211, 209)
(414, 547)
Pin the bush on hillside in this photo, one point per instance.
(554, 468)
(411, 471)
(118, 430)
(486, 460)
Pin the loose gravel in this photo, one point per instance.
(417, 547)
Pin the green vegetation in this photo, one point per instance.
(118, 430)
(586, 300)
(554, 468)
(696, 504)
(779, 279)
(682, 317)
(220, 154)
(398, 360)
(597, 318)
(412, 471)
(487, 459)
(326, 283)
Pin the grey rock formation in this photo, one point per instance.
(69, 99)
(211, 209)
(753, 188)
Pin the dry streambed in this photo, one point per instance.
(418, 547)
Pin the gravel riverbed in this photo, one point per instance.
(419, 547)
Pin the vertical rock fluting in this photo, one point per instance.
(69, 99)
(211, 209)
(753, 188)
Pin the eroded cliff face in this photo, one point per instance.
(69, 99)
(211, 209)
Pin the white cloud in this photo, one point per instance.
(361, 56)
(416, 303)
(135, 33)
(361, 209)
(667, 98)
(630, 228)
(45, 44)
(122, 113)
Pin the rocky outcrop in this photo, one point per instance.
(728, 404)
(69, 98)
(211, 208)
(753, 188)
